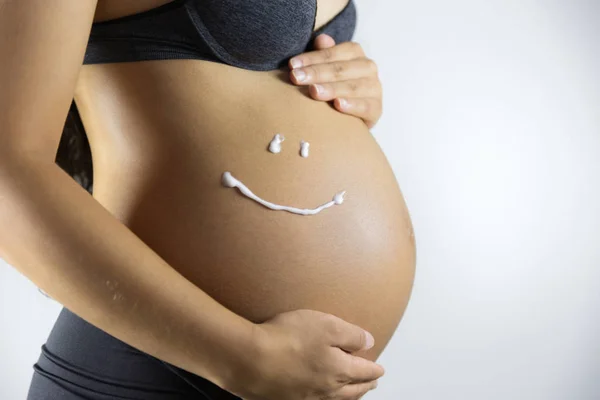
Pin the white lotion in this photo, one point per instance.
(304, 148)
(275, 144)
(229, 181)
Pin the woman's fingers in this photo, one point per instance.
(368, 109)
(341, 73)
(334, 71)
(354, 391)
(324, 41)
(358, 369)
(347, 336)
(363, 87)
(340, 52)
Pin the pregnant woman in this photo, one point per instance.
(202, 267)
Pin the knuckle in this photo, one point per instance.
(329, 382)
(327, 396)
(357, 390)
(378, 88)
(322, 395)
(345, 372)
(338, 70)
(297, 345)
(331, 90)
(372, 65)
(353, 392)
(366, 107)
(332, 383)
(364, 389)
(328, 318)
(327, 53)
(313, 72)
(357, 48)
(372, 87)
(334, 326)
(374, 107)
(353, 86)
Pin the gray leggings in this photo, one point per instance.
(80, 361)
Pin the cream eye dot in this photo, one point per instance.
(275, 144)
(304, 148)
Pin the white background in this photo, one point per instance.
(492, 125)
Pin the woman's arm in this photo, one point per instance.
(60, 237)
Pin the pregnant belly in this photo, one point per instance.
(354, 260)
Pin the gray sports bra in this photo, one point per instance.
(250, 34)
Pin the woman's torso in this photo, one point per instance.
(163, 132)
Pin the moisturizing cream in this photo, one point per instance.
(304, 148)
(275, 144)
(229, 181)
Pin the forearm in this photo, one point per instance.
(66, 243)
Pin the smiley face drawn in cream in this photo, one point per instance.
(275, 147)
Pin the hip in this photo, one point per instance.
(80, 361)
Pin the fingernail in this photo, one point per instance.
(343, 103)
(370, 341)
(299, 75)
(320, 89)
(296, 63)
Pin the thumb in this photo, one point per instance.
(324, 41)
(351, 337)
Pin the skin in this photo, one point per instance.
(159, 149)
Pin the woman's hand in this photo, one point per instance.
(305, 355)
(341, 73)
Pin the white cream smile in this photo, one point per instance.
(229, 181)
